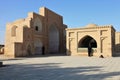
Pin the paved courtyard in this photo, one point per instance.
(61, 68)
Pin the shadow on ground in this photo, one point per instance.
(31, 56)
(53, 71)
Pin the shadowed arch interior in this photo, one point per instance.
(53, 39)
(86, 41)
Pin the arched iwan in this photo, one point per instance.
(87, 42)
(53, 39)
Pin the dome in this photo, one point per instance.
(91, 25)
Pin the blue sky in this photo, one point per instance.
(76, 13)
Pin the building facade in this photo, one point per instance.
(46, 33)
(28, 36)
(103, 40)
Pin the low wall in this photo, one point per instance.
(84, 51)
(94, 50)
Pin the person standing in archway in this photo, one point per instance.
(43, 50)
(89, 50)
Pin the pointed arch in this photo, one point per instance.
(13, 31)
(53, 39)
(86, 41)
(37, 24)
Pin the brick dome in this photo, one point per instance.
(91, 25)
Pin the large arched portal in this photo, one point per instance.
(53, 39)
(87, 42)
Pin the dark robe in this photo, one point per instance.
(89, 50)
(43, 50)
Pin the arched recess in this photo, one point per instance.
(38, 47)
(87, 44)
(86, 41)
(37, 24)
(29, 50)
(13, 31)
(53, 39)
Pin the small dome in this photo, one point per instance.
(91, 25)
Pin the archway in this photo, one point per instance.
(53, 39)
(29, 52)
(38, 47)
(13, 31)
(86, 41)
(87, 44)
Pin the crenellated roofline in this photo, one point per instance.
(94, 27)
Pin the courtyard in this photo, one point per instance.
(60, 68)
